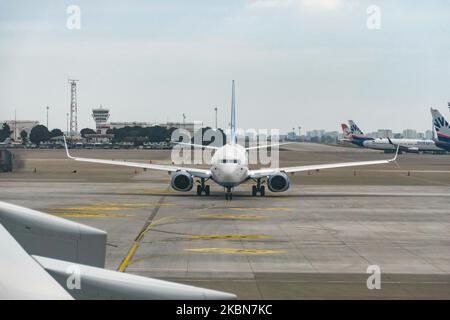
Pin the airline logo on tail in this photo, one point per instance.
(346, 131)
(354, 128)
(441, 125)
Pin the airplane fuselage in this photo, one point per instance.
(411, 144)
(229, 166)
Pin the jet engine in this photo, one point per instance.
(278, 182)
(182, 181)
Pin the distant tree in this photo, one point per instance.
(24, 136)
(5, 132)
(86, 131)
(199, 135)
(39, 134)
(157, 134)
(56, 133)
(139, 134)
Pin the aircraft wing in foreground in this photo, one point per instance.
(47, 257)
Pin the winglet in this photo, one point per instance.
(67, 148)
(390, 141)
(396, 154)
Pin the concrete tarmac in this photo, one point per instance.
(314, 241)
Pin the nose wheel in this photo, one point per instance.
(228, 194)
(202, 188)
(258, 188)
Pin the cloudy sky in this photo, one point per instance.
(309, 63)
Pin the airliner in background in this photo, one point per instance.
(229, 167)
(354, 135)
(442, 130)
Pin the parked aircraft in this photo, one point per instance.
(442, 130)
(357, 137)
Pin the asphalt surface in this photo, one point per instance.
(314, 241)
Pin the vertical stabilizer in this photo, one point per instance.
(441, 125)
(233, 116)
(346, 131)
(354, 129)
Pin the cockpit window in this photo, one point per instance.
(229, 161)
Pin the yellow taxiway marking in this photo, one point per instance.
(91, 208)
(130, 254)
(233, 216)
(147, 204)
(261, 209)
(147, 193)
(89, 215)
(235, 251)
(138, 240)
(231, 237)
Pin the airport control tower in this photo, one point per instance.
(101, 116)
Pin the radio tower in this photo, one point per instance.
(73, 108)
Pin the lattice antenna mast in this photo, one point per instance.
(73, 107)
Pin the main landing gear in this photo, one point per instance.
(202, 188)
(228, 194)
(259, 188)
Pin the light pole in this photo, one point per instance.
(215, 109)
(67, 130)
(47, 115)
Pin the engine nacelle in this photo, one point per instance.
(182, 181)
(413, 149)
(278, 182)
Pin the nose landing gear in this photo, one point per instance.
(259, 188)
(202, 188)
(228, 194)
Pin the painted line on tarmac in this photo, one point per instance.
(234, 216)
(146, 204)
(231, 237)
(236, 251)
(89, 215)
(89, 208)
(147, 226)
(261, 209)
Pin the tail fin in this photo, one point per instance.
(233, 116)
(354, 129)
(346, 131)
(441, 125)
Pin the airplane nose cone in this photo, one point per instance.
(229, 173)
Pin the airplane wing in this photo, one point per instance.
(21, 277)
(197, 145)
(403, 147)
(268, 145)
(261, 173)
(201, 173)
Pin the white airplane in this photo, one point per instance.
(229, 167)
(356, 136)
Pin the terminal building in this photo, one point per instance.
(101, 116)
(17, 126)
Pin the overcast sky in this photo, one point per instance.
(309, 63)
